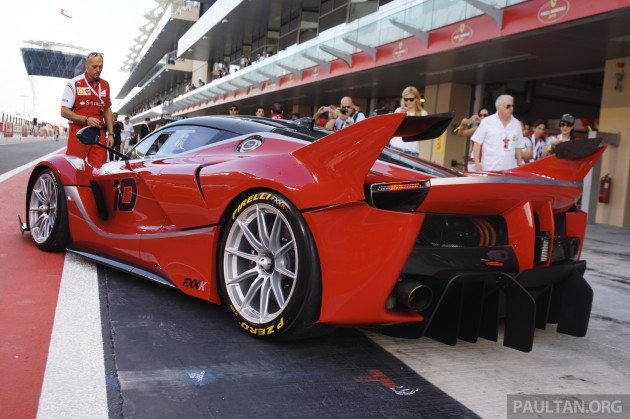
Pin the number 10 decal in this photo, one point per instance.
(125, 194)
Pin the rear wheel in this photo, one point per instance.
(47, 212)
(269, 270)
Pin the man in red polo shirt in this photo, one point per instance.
(86, 101)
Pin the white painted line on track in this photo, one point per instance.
(74, 381)
(17, 170)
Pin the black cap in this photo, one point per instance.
(89, 135)
(568, 118)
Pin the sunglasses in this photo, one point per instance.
(483, 115)
(565, 124)
(95, 54)
(345, 107)
(409, 99)
(509, 106)
(232, 110)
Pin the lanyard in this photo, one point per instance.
(92, 89)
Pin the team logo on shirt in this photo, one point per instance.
(84, 91)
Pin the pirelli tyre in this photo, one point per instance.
(47, 212)
(269, 271)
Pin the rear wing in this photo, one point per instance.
(421, 128)
(343, 159)
(571, 162)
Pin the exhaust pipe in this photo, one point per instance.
(412, 295)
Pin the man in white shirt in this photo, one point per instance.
(501, 136)
(126, 134)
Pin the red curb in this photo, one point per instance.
(29, 287)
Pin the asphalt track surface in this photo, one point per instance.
(175, 355)
(80, 340)
(16, 152)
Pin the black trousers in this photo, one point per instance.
(117, 143)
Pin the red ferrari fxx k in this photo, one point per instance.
(296, 229)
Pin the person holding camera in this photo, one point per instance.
(345, 115)
(467, 128)
(325, 114)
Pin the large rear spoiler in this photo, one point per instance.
(572, 161)
(343, 159)
(420, 128)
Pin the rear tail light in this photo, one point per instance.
(393, 187)
(397, 196)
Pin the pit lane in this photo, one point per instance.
(168, 355)
(148, 349)
(173, 356)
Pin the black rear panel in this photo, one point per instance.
(463, 231)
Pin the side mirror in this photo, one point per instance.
(89, 135)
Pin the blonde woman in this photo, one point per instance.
(410, 104)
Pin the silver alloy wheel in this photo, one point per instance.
(42, 211)
(260, 263)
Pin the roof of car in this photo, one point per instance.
(245, 124)
(300, 129)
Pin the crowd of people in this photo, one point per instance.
(499, 140)
(276, 112)
(225, 70)
(190, 85)
(502, 142)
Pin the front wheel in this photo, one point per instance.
(47, 212)
(269, 270)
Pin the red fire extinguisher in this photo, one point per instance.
(605, 184)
